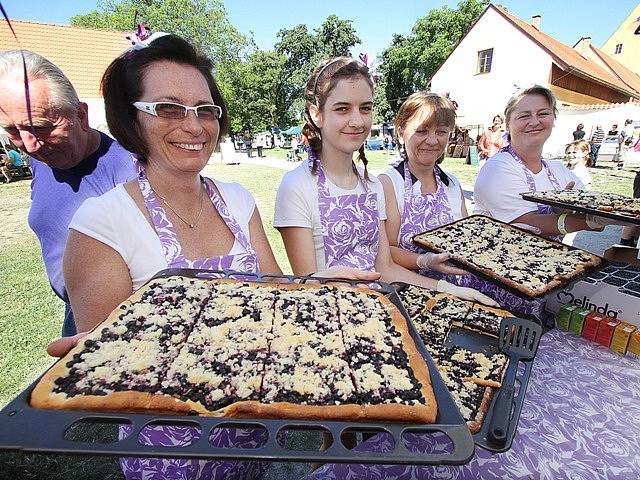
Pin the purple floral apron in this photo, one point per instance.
(168, 436)
(350, 225)
(426, 211)
(542, 209)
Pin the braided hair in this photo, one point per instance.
(320, 84)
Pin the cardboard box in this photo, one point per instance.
(622, 253)
(633, 348)
(591, 325)
(564, 316)
(605, 332)
(621, 336)
(577, 320)
(613, 291)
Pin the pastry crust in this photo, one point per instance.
(43, 395)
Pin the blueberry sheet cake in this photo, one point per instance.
(471, 377)
(256, 350)
(507, 255)
(602, 201)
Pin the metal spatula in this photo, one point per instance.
(519, 341)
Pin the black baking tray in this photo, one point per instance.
(22, 427)
(627, 218)
(477, 342)
(480, 273)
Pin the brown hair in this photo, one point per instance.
(320, 84)
(585, 147)
(122, 85)
(440, 109)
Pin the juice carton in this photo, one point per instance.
(605, 331)
(621, 337)
(633, 348)
(564, 316)
(577, 320)
(591, 325)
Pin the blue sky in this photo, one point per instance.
(374, 20)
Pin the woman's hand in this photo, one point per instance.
(438, 262)
(465, 293)
(62, 346)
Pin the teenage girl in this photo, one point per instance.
(329, 212)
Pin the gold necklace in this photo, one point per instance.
(193, 224)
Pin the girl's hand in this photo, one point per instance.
(62, 346)
(438, 262)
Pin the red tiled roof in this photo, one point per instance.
(82, 54)
(629, 77)
(569, 59)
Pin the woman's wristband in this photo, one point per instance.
(561, 227)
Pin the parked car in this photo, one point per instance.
(375, 144)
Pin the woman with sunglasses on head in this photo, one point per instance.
(330, 212)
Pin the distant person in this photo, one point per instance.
(260, 146)
(70, 160)
(614, 130)
(596, 142)
(247, 138)
(491, 140)
(578, 156)
(579, 132)
(13, 162)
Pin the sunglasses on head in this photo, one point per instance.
(177, 110)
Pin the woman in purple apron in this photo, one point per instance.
(169, 217)
(328, 211)
(421, 197)
(519, 167)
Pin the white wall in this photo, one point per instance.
(97, 118)
(517, 61)
(568, 120)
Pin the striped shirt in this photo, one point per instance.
(597, 136)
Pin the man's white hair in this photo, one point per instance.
(63, 97)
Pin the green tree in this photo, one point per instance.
(410, 61)
(303, 50)
(203, 22)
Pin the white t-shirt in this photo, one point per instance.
(453, 192)
(584, 175)
(501, 181)
(115, 220)
(297, 203)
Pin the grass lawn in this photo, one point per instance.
(31, 315)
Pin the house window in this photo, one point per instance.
(484, 60)
(618, 48)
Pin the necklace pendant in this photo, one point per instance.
(191, 225)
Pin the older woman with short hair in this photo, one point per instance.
(519, 167)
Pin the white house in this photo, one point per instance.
(501, 53)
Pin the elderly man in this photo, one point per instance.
(70, 160)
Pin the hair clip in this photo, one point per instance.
(142, 38)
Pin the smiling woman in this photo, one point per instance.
(519, 168)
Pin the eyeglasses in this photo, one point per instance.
(176, 111)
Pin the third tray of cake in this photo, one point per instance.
(511, 257)
(603, 204)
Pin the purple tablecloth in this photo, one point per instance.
(580, 420)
